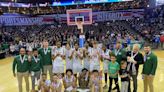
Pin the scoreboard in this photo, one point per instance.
(74, 2)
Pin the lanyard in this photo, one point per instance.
(22, 60)
(134, 54)
(145, 57)
(45, 50)
(35, 59)
(116, 52)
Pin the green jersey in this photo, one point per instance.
(113, 68)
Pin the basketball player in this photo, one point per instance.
(105, 59)
(56, 85)
(77, 55)
(22, 64)
(86, 52)
(58, 59)
(69, 81)
(45, 53)
(68, 58)
(94, 57)
(96, 82)
(44, 84)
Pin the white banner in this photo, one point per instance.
(15, 21)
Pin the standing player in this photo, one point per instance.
(94, 57)
(22, 64)
(58, 56)
(77, 59)
(105, 59)
(68, 58)
(86, 56)
(35, 67)
(45, 53)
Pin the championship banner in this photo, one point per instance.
(107, 15)
(16, 21)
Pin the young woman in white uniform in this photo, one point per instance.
(58, 62)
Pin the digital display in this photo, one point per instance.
(159, 2)
(74, 2)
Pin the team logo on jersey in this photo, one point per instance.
(148, 57)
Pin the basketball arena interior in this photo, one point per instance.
(81, 45)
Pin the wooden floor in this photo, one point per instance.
(8, 83)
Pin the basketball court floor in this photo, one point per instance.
(8, 83)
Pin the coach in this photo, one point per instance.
(22, 64)
(149, 68)
(134, 58)
(45, 53)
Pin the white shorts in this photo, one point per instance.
(105, 66)
(94, 67)
(77, 67)
(58, 67)
(69, 64)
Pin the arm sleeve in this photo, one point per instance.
(14, 64)
(154, 63)
(141, 59)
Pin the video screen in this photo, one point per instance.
(74, 2)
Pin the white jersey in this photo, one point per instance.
(76, 55)
(59, 51)
(94, 59)
(12, 48)
(68, 60)
(106, 57)
(56, 85)
(77, 62)
(86, 57)
(94, 55)
(58, 63)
